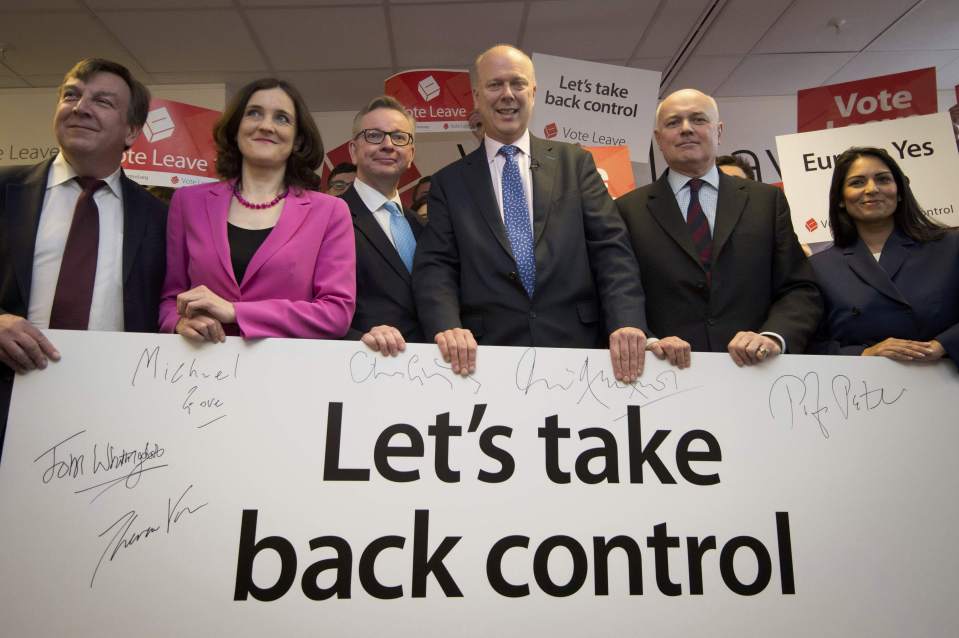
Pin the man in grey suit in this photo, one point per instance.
(721, 265)
(524, 246)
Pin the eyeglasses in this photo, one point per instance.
(376, 136)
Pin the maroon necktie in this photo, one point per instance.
(699, 225)
(74, 294)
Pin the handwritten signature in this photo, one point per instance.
(368, 366)
(126, 536)
(69, 465)
(802, 397)
(590, 384)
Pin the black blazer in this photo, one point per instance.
(912, 292)
(384, 292)
(761, 280)
(22, 189)
(587, 281)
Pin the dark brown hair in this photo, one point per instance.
(139, 95)
(307, 147)
(736, 160)
(909, 217)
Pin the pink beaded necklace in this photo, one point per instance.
(248, 204)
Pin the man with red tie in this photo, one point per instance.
(81, 245)
(720, 262)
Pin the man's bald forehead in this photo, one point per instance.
(500, 49)
(688, 94)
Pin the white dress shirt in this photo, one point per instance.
(496, 164)
(376, 202)
(59, 202)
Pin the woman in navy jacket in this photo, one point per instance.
(891, 279)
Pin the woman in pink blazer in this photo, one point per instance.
(260, 254)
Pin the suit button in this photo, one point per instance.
(700, 285)
(532, 315)
(513, 276)
(710, 321)
(856, 312)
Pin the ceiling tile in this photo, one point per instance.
(575, 29)
(671, 27)
(52, 42)
(452, 35)
(781, 74)
(338, 90)
(48, 80)
(99, 5)
(322, 38)
(948, 77)
(37, 5)
(934, 24)
(872, 63)
(307, 3)
(705, 73)
(650, 64)
(805, 25)
(201, 42)
(740, 26)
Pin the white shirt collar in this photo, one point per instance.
(61, 172)
(493, 147)
(373, 198)
(677, 180)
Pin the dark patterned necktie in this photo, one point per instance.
(74, 294)
(699, 225)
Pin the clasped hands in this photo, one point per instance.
(202, 315)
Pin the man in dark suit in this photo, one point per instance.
(382, 149)
(81, 246)
(524, 246)
(721, 264)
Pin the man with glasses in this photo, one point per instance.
(382, 149)
(340, 178)
(524, 246)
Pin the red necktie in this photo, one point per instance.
(699, 225)
(74, 294)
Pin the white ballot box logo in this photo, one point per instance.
(159, 125)
(428, 88)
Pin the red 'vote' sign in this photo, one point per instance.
(884, 97)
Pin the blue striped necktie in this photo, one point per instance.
(516, 219)
(402, 234)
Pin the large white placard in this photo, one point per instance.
(595, 104)
(923, 145)
(303, 488)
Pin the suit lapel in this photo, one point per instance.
(664, 209)
(729, 208)
(22, 218)
(134, 223)
(543, 162)
(861, 262)
(895, 252)
(366, 224)
(217, 213)
(295, 209)
(481, 190)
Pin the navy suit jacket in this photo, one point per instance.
(384, 287)
(22, 189)
(587, 280)
(760, 279)
(912, 292)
